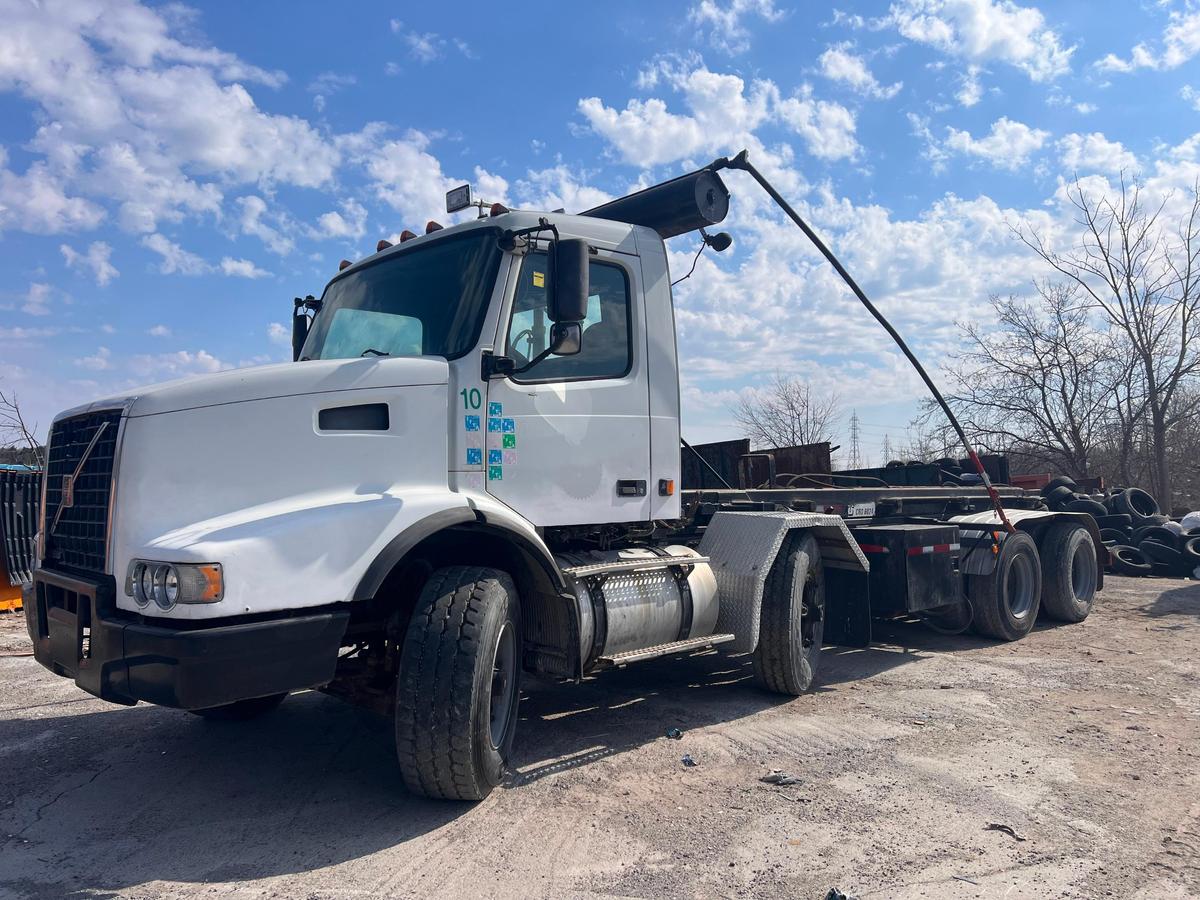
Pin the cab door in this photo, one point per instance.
(568, 440)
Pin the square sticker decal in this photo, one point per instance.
(493, 424)
(510, 441)
(471, 423)
(509, 426)
(495, 409)
(495, 457)
(495, 473)
(474, 456)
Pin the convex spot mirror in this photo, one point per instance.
(568, 265)
(566, 338)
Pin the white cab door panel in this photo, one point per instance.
(568, 442)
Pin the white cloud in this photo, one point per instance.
(722, 113)
(350, 222)
(136, 116)
(175, 260)
(1086, 153)
(37, 300)
(178, 363)
(428, 46)
(252, 220)
(408, 178)
(278, 333)
(159, 331)
(95, 260)
(326, 84)
(1180, 42)
(242, 268)
(558, 188)
(983, 31)
(1008, 145)
(725, 21)
(1190, 95)
(839, 63)
(827, 128)
(970, 91)
(97, 362)
(37, 201)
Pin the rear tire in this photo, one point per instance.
(1006, 601)
(793, 618)
(459, 684)
(1069, 573)
(240, 710)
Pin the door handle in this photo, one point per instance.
(629, 487)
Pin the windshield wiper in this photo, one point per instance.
(373, 352)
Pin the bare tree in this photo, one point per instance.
(786, 413)
(16, 432)
(1039, 384)
(1144, 276)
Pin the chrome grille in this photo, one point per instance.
(76, 532)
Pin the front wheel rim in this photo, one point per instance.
(503, 686)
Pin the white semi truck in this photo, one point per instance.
(470, 472)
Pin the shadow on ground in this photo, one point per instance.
(112, 797)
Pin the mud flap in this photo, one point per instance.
(847, 607)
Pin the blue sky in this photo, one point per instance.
(171, 176)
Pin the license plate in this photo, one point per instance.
(860, 510)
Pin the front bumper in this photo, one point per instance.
(77, 633)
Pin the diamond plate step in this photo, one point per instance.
(631, 565)
(696, 643)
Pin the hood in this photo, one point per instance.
(281, 380)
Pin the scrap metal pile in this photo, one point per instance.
(1140, 539)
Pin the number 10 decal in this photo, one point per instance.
(472, 399)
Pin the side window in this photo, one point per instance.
(605, 352)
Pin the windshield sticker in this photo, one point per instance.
(539, 279)
(510, 442)
(471, 423)
(495, 409)
(474, 456)
(508, 426)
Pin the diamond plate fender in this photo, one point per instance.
(742, 546)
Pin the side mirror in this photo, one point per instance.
(566, 338)
(300, 323)
(568, 271)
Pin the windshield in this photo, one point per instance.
(429, 301)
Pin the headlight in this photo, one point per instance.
(170, 583)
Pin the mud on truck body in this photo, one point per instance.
(471, 472)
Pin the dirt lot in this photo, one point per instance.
(1081, 739)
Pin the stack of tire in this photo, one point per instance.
(1140, 540)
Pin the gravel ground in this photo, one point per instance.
(1082, 740)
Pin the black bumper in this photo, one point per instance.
(78, 634)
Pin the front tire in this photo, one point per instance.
(459, 684)
(793, 618)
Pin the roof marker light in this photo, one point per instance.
(382, 245)
(406, 235)
(499, 209)
(344, 264)
(432, 226)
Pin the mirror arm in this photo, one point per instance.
(508, 240)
